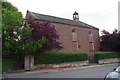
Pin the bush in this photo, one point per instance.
(7, 64)
(105, 55)
(59, 57)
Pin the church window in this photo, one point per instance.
(90, 36)
(74, 35)
(74, 30)
(90, 33)
(91, 40)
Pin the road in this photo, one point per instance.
(81, 72)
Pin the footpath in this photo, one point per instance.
(54, 70)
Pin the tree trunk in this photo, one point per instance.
(29, 62)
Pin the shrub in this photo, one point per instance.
(59, 57)
(105, 55)
(7, 64)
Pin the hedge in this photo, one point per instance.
(105, 55)
(59, 57)
(7, 64)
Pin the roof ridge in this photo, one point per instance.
(53, 16)
(61, 20)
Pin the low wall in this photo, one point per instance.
(63, 65)
(112, 60)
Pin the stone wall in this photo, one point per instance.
(63, 65)
(112, 60)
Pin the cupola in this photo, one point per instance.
(76, 16)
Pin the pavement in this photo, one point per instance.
(54, 70)
(92, 71)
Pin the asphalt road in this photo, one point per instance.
(81, 72)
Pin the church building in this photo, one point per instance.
(75, 35)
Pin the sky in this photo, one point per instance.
(102, 14)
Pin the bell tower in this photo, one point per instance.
(76, 16)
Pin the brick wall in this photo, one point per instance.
(82, 44)
(66, 37)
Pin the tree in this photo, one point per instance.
(43, 28)
(20, 39)
(110, 41)
(17, 36)
(10, 19)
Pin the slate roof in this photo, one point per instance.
(61, 20)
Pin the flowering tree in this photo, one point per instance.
(43, 28)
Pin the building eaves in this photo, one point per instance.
(61, 20)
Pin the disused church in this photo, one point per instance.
(74, 34)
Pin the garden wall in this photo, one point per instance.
(62, 65)
(112, 60)
(107, 57)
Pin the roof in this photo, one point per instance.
(61, 20)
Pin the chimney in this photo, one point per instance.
(76, 16)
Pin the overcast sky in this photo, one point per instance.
(102, 14)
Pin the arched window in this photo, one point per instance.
(90, 32)
(91, 40)
(90, 36)
(74, 35)
(75, 39)
(74, 30)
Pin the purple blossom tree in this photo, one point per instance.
(43, 28)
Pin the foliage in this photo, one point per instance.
(10, 18)
(59, 57)
(106, 55)
(21, 41)
(43, 28)
(8, 64)
(17, 34)
(110, 41)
